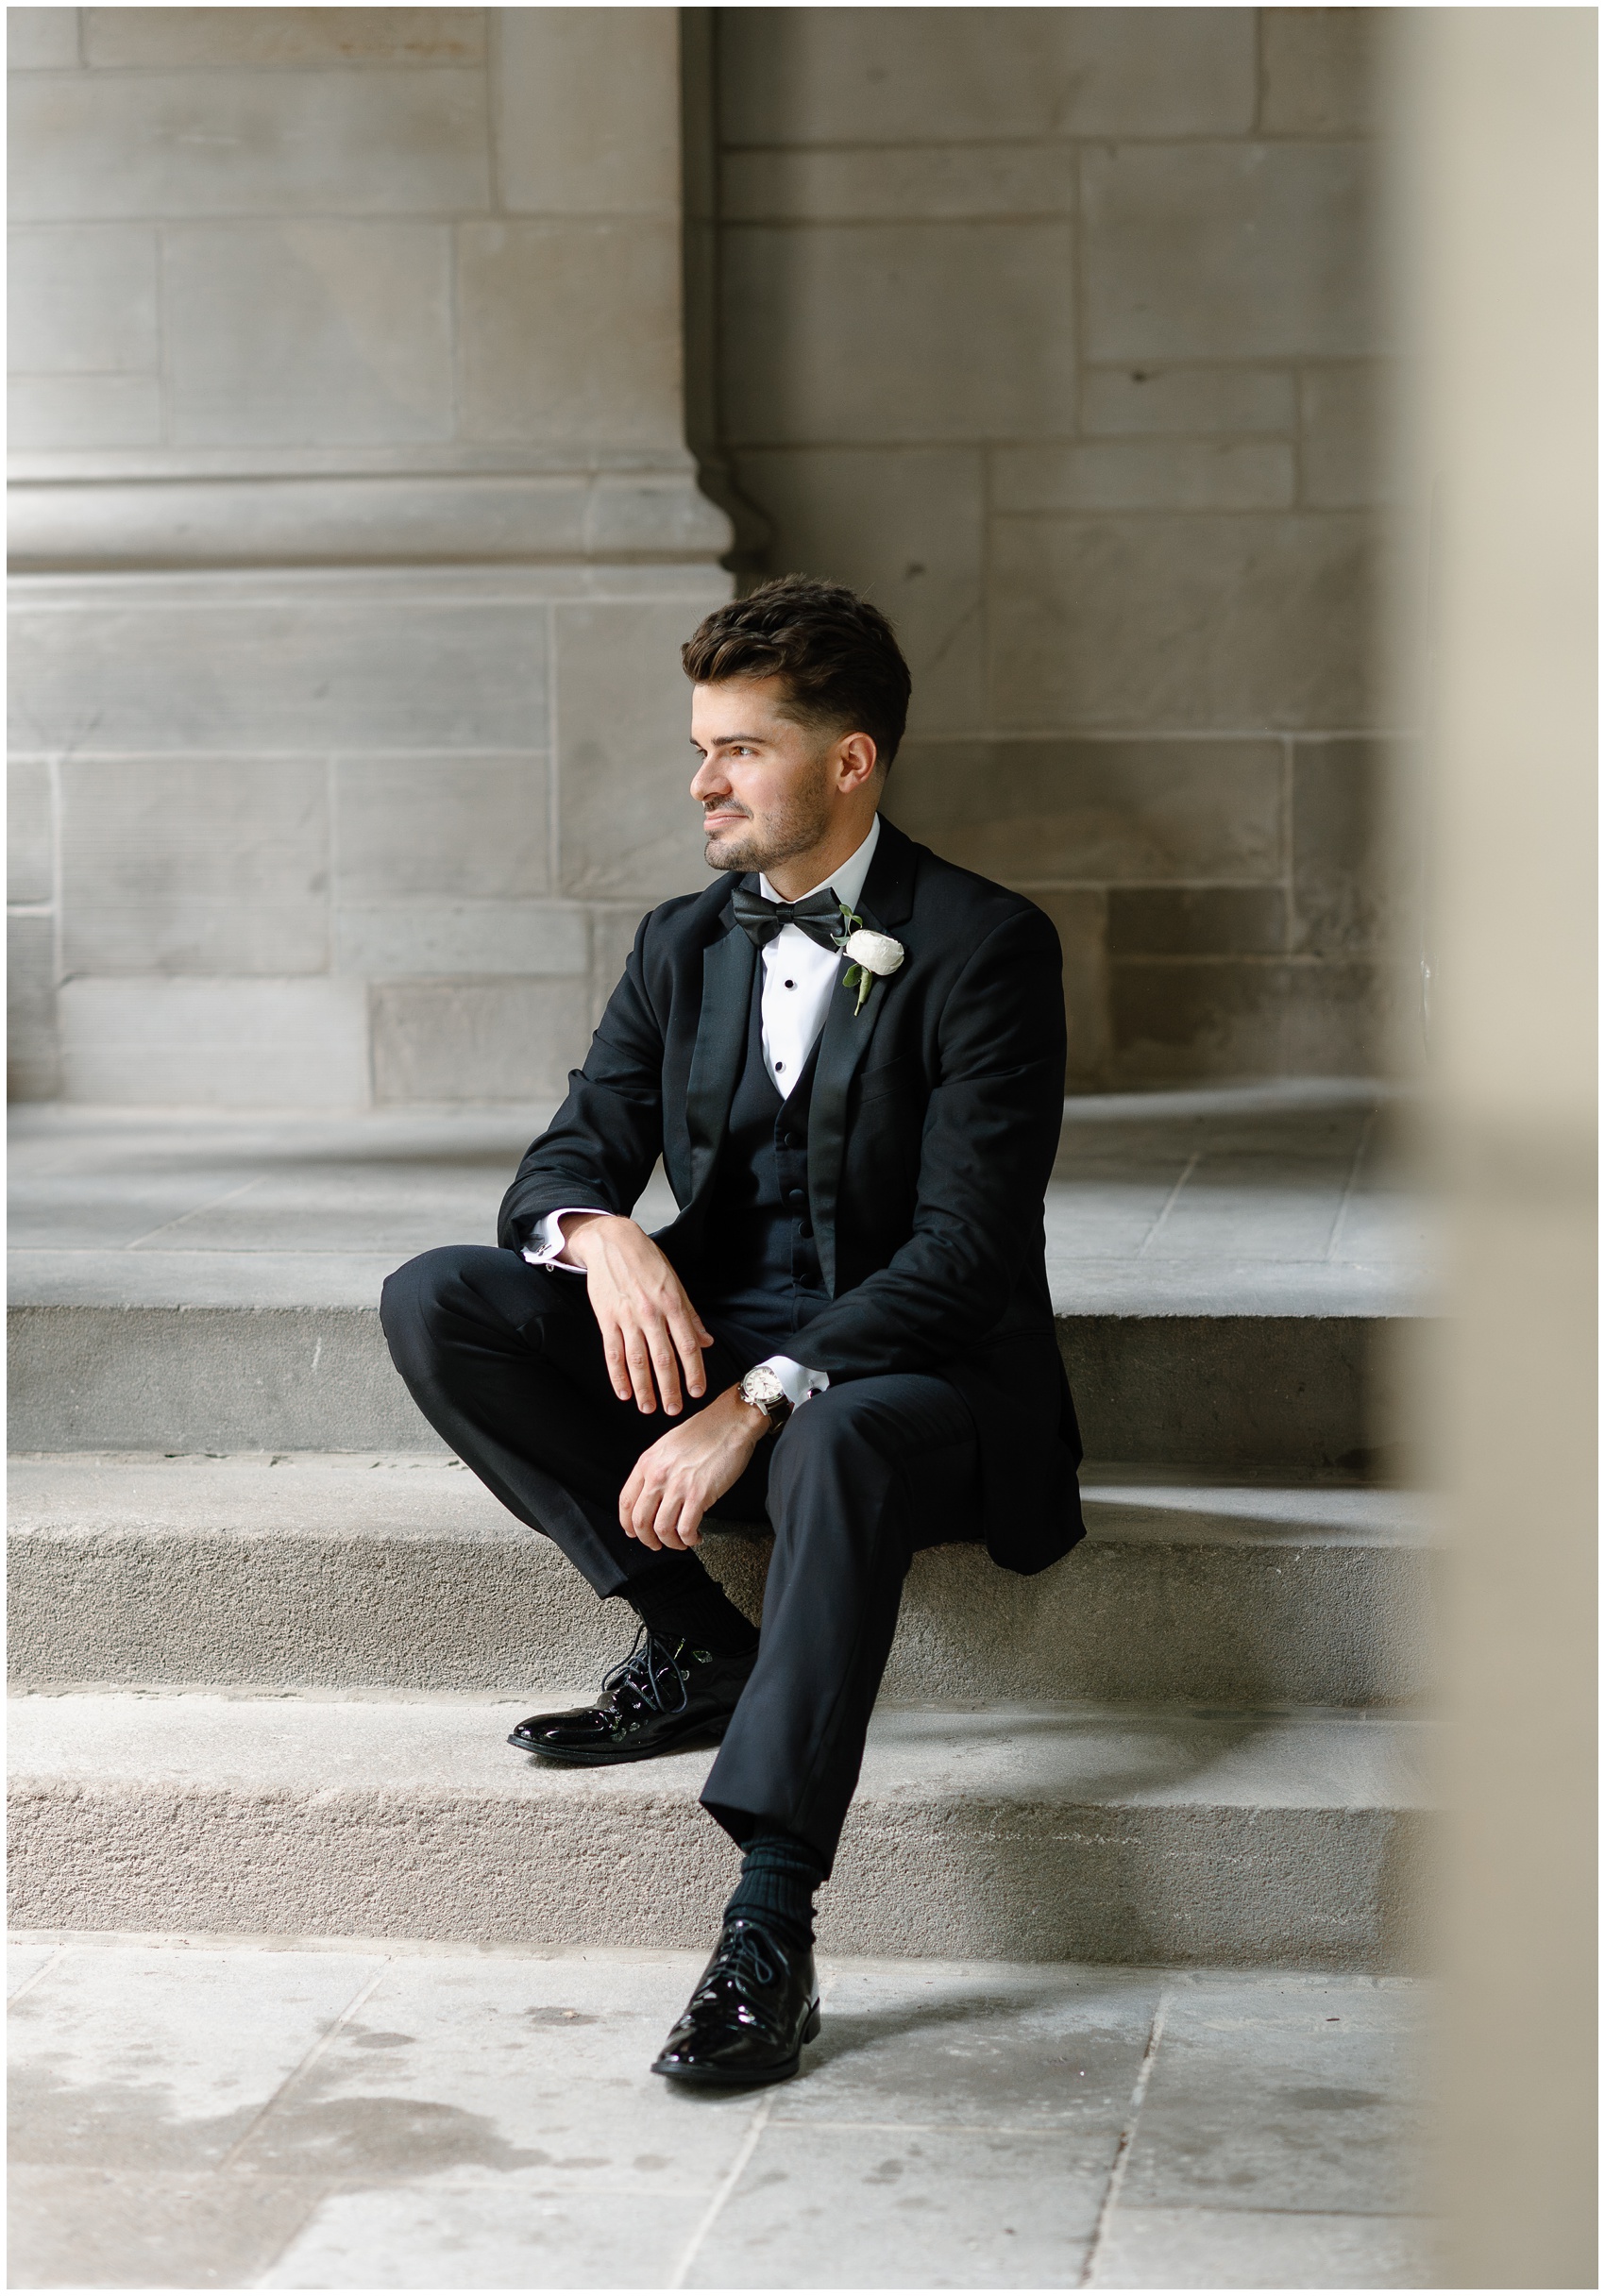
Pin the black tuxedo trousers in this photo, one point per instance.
(506, 1362)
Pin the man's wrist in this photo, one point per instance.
(574, 1226)
(762, 1389)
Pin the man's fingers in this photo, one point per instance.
(640, 1519)
(638, 1358)
(649, 1503)
(666, 1366)
(613, 1348)
(691, 1349)
(676, 1521)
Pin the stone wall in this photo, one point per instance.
(1057, 330)
(357, 535)
(355, 530)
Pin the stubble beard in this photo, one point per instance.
(792, 828)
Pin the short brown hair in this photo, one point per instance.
(837, 652)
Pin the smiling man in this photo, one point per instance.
(849, 1055)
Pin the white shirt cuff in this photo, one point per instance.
(797, 1382)
(546, 1247)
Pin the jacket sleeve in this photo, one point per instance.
(599, 1151)
(991, 1132)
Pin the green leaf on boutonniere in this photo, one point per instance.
(856, 975)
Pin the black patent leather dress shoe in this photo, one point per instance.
(663, 1695)
(755, 2005)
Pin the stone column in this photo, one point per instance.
(354, 536)
(1504, 136)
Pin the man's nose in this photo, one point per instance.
(709, 780)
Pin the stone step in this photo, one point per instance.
(1304, 1391)
(362, 1571)
(1230, 1270)
(1031, 1832)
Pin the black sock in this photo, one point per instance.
(779, 1875)
(676, 1599)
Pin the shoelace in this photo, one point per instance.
(647, 1673)
(745, 1960)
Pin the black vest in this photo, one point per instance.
(761, 1279)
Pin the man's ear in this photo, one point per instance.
(857, 759)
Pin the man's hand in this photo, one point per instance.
(675, 1483)
(647, 1322)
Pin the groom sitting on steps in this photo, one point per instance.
(849, 1055)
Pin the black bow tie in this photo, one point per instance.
(820, 917)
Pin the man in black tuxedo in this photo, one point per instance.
(849, 1055)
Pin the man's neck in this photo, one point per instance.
(792, 879)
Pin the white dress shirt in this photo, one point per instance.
(799, 976)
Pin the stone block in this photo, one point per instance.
(1322, 70)
(77, 411)
(1145, 474)
(158, 39)
(1079, 917)
(149, 665)
(185, 2229)
(906, 525)
(571, 331)
(466, 828)
(410, 940)
(1353, 856)
(893, 184)
(1347, 454)
(629, 826)
(41, 39)
(1198, 401)
(1246, 2069)
(1034, 813)
(308, 334)
(612, 937)
(219, 1043)
(1228, 250)
(1174, 1020)
(82, 300)
(1208, 619)
(491, 1040)
(33, 1067)
(195, 866)
(1240, 2248)
(1018, 2209)
(1197, 920)
(795, 303)
(419, 517)
(214, 144)
(587, 112)
(925, 75)
(30, 835)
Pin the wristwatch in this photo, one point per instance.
(762, 1388)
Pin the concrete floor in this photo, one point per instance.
(1281, 1198)
(253, 2114)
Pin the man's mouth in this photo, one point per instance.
(723, 821)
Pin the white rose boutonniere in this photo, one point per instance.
(870, 955)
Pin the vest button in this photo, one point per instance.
(796, 1195)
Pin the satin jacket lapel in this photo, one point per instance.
(721, 1043)
(884, 903)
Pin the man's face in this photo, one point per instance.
(764, 783)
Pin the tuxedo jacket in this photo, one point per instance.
(932, 1131)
